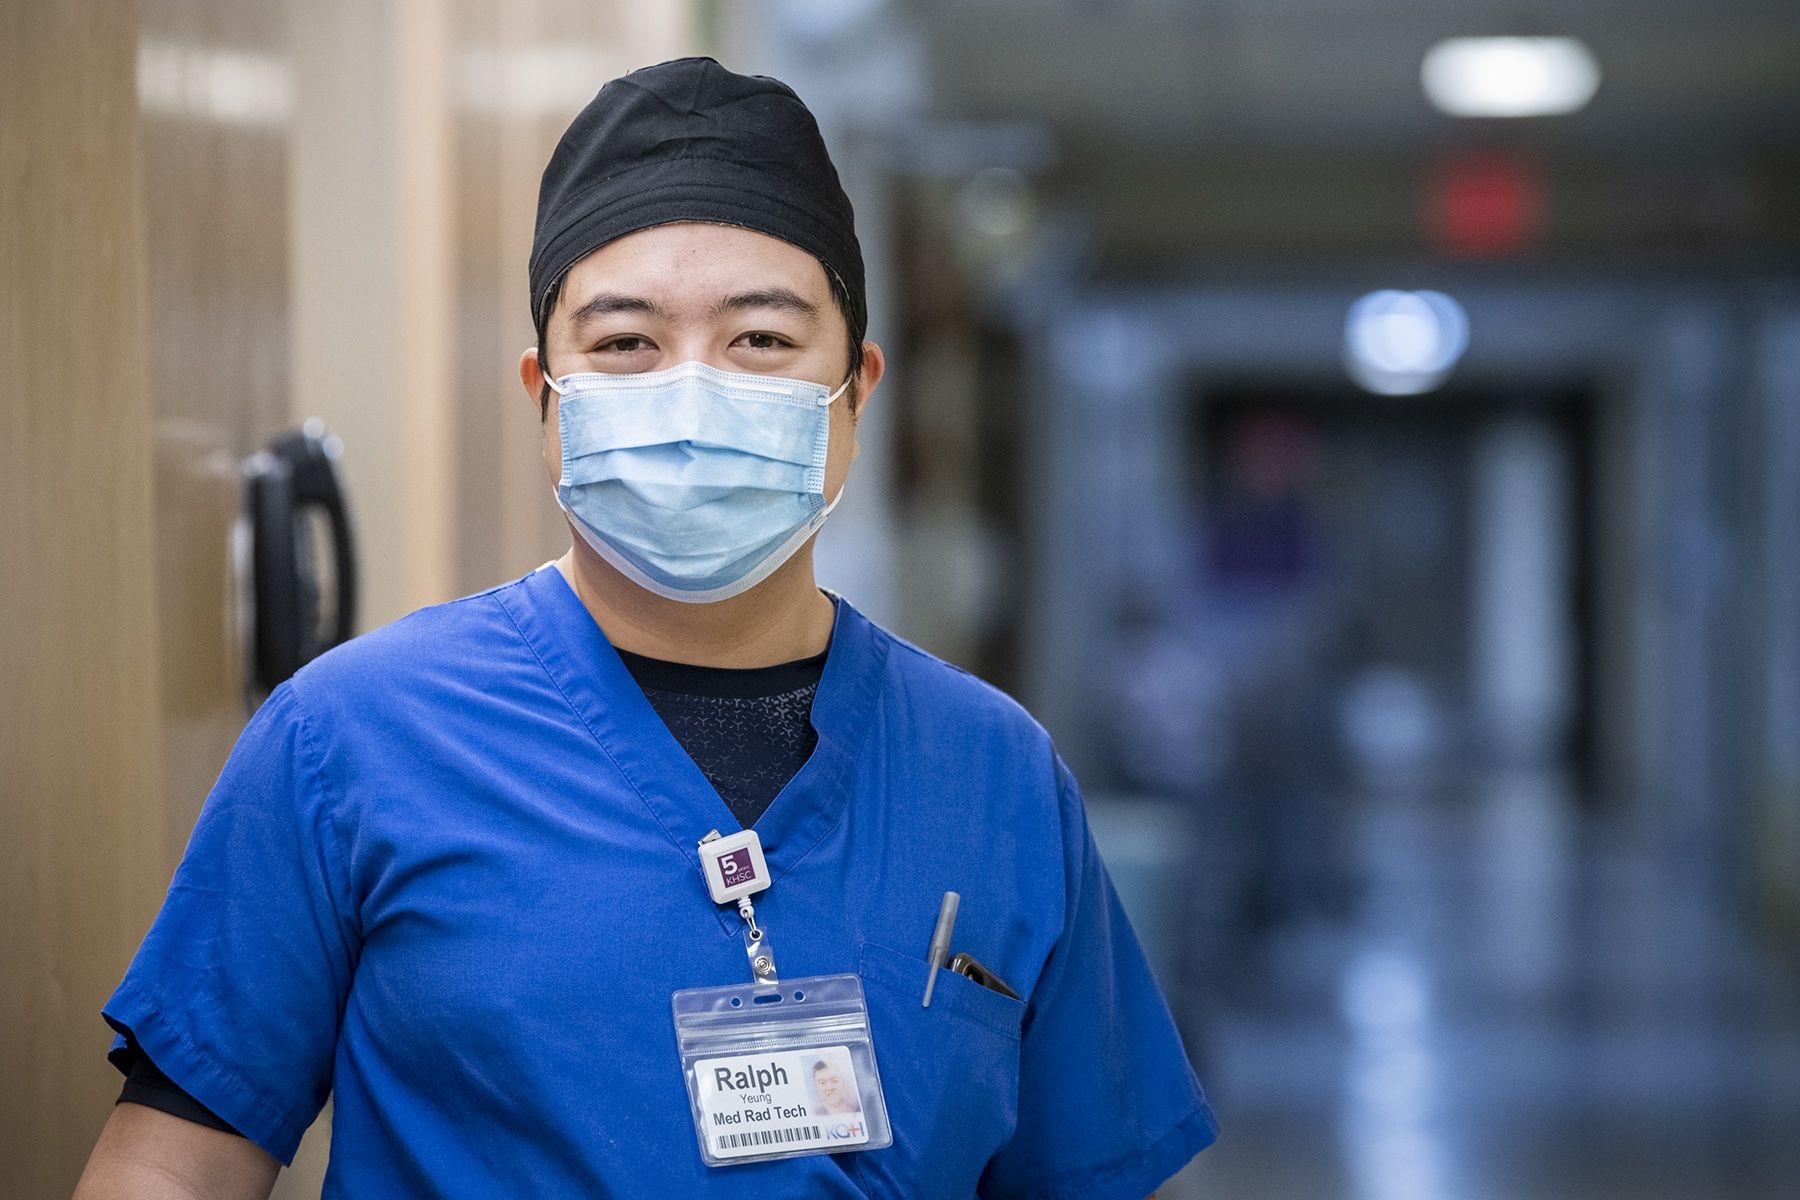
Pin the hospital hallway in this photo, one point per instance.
(1515, 1004)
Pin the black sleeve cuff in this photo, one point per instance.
(146, 1084)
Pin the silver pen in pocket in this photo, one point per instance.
(940, 942)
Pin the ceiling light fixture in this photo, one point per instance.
(1510, 76)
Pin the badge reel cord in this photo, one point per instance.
(736, 870)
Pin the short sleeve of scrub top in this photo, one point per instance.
(238, 989)
(1108, 1105)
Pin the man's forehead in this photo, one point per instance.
(693, 272)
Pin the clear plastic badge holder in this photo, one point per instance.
(780, 1071)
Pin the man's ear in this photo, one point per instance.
(874, 366)
(531, 375)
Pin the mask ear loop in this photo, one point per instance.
(550, 381)
(827, 402)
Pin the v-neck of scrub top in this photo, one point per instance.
(675, 792)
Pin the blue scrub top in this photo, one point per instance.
(449, 876)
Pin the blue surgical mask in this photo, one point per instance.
(695, 483)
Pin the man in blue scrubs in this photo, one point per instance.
(450, 874)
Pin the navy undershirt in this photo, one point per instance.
(749, 730)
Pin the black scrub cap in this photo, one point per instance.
(689, 140)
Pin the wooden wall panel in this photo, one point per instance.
(80, 746)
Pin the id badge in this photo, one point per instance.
(780, 1072)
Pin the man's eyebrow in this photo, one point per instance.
(602, 304)
(776, 297)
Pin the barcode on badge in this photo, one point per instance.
(769, 1137)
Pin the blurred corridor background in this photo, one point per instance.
(1366, 433)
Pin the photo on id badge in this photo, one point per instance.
(832, 1085)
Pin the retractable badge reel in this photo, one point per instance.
(774, 1069)
(735, 871)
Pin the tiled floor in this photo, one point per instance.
(1518, 1006)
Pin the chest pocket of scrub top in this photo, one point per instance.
(950, 1073)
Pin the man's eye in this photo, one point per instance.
(625, 344)
(764, 341)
